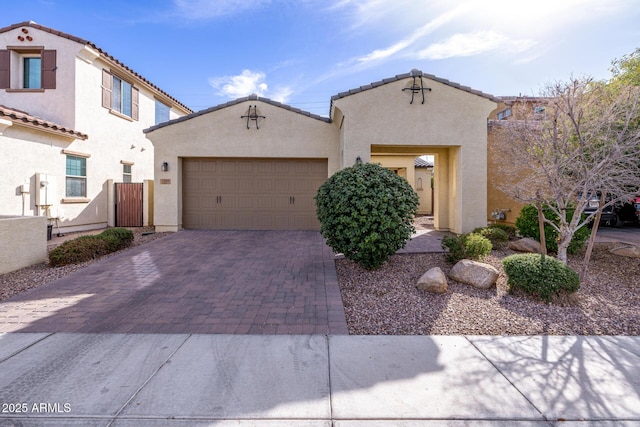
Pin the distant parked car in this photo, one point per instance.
(617, 214)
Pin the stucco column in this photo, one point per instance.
(441, 190)
(111, 204)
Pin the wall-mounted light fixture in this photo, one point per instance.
(133, 146)
(358, 160)
(164, 167)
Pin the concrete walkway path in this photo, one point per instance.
(314, 380)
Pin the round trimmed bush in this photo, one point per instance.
(466, 246)
(366, 213)
(539, 275)
(527, 223)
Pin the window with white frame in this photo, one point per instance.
(76, 177)
(119, 95)
(126, 173)
(162, 112)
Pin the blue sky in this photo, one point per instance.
(301, 52)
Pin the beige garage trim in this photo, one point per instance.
(251, 194)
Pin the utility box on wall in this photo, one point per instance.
(46, 189)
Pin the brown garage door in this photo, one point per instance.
(251, 194)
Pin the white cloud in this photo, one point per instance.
(470, 44)
(243, 84)
(249, 83)
(281, 94)
(207, 9)
(419, 33)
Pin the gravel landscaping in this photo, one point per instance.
(387, 302)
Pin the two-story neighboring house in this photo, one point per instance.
(71, 121)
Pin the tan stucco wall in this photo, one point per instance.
(423, 176)
(76, 103)
(23, 242)
(223, 133)
(496, 198)
(406, 165)
(451, 119)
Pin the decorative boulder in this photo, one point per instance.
(476, 274)
(628, 251)
(526, 245)
(434, 281)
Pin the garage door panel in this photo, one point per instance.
(244, 202)
(268, 194)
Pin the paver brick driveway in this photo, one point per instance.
(243, 282)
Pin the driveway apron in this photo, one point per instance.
(230, 282)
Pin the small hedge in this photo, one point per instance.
(466, 246)
(85, 248)
(509, 229)
(527, 223)
(497, 236)
(539, 275)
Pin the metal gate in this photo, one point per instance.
(129, 204)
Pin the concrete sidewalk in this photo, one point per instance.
(316, 380)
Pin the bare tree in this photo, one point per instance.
(580, 141)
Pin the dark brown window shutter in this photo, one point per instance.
(135, 97)
(49, 69)
(5, 69)
(106, 89)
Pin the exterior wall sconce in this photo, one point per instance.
(252, 115)
(358, 160)
(417, 86)
(164, 167)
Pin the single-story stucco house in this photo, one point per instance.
(254, 163)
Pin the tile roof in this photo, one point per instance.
(235, 102)
(25, 119)
(422, 163)
(93, 46)
(412, 73)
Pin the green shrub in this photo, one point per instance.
(527, 224)
(509, 229)
(366, 213)
(466, 246)
(117, 238)
(496, 236)
(85, 248)
(539, 275)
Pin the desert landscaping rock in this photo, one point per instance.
(526, 245)
(433, 280)
(627, 251)
(474, 273)
(387, 302)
